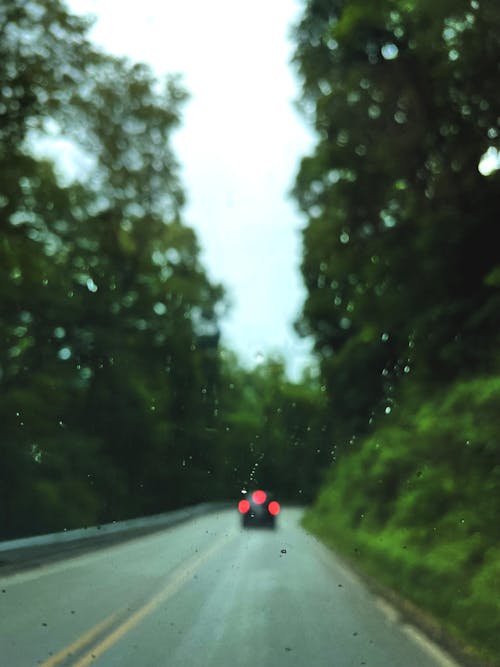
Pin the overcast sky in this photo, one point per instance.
(239, 147)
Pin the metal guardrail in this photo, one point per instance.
(131, 526)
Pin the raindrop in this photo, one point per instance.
(388, 410)
(91, 286)
(385, 337)
(259, 358)
(64, 353)
(489, 162)
(344, 238)
(283, 551)
(160, 308)
(333, 176)
(389, 51)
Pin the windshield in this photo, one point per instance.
(249, 307)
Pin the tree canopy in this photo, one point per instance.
(401, 266)
(400, 249)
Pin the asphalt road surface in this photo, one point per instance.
(205, 594)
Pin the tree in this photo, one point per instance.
(399, 246)
(109, 319)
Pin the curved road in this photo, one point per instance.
(204, 594)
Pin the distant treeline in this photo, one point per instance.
(116, 397)
(402, 268)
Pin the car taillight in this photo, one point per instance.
(259, 497)
(274, 507)
(243, 506)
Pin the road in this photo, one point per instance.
(204, 594)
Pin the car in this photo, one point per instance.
(258, 509)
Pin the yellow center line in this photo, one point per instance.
(176, 581)
(81, 641)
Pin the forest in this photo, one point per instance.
(118, 398)
(402, 267)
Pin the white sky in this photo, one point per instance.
(239, 148)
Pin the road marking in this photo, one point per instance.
(440, 656)
(179, 577)
(388, 610)
(82, 641)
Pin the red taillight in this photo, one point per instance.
(243, 506)
(274, 507)
(259, 497)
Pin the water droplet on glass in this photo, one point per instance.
(389, 51)
(160, 308)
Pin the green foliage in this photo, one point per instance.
(271, 431)
(116, 400)
(417, 503)
(399, 250)
(108, 319)
(401, 268)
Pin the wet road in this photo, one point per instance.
(204, 594)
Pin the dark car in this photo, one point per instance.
(258, 508)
